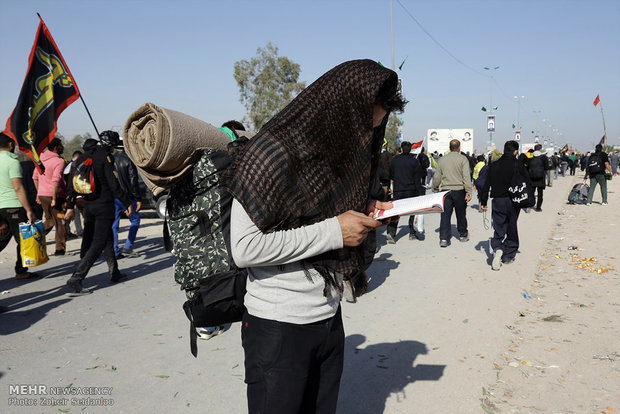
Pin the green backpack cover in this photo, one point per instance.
(198, 216)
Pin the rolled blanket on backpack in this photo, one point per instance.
(164, 144)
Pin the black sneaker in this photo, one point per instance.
(444, 243)
(76, 286)
(464, 238)
(118, 278)
(59, 253)
(390, 238)
(129, 253)
(508, 260)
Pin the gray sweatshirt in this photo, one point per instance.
(278, 288)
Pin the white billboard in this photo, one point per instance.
(439, 139)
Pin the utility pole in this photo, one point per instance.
(392, 29)
(493, 69)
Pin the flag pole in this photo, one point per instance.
(604, 127)
(88, 112)
(82, 99)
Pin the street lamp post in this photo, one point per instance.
(536, 130)
(519, 99)
(493, 69)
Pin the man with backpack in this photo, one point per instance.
(598, 163)
(537, 165)
(301, 210)
(98, 208)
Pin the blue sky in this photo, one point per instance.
(559, 54)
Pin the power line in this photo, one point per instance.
(450, 53)
(437, 42)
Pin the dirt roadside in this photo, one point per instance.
(563, 354)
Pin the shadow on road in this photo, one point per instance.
(374, 373)
(380, 270)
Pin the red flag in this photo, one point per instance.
(48, 89)
(597, 100)
(417, 145)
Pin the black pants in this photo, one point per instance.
(455, 200)
(393, 226)
(291, 368)
(97, 238)
(506, 234)
(14, 216)
(539, 197)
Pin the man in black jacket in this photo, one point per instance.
(505, 241)
(424, 164)
(537, 164)
(98, 211)
(406, 173)
(127, 175)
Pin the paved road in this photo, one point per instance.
(419, 342)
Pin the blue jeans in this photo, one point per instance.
(134, 224)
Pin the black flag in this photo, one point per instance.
(48, 89)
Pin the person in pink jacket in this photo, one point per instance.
(52, 192)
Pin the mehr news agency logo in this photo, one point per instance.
(31, 395)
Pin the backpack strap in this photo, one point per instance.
(193, 335)
(168, 245)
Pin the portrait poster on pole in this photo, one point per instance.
(439, 139)
(491, 123)
(517, 135)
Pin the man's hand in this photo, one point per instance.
(69, 215)
(374, 206)
(129, 210)
(467, 198)
(355, 226)
(38, 200)
(483, 208)
(53, 201)
(138, 206)
(31, 216)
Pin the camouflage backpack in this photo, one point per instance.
(198, 216)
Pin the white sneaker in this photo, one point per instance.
(209, 332)
(497, 260)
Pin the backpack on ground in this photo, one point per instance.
(595, 164)
(536, 168)
(579, 193)
(83, 179)
(198, 216)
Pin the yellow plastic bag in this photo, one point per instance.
(32, 244)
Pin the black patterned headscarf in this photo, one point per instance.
(315, 159)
